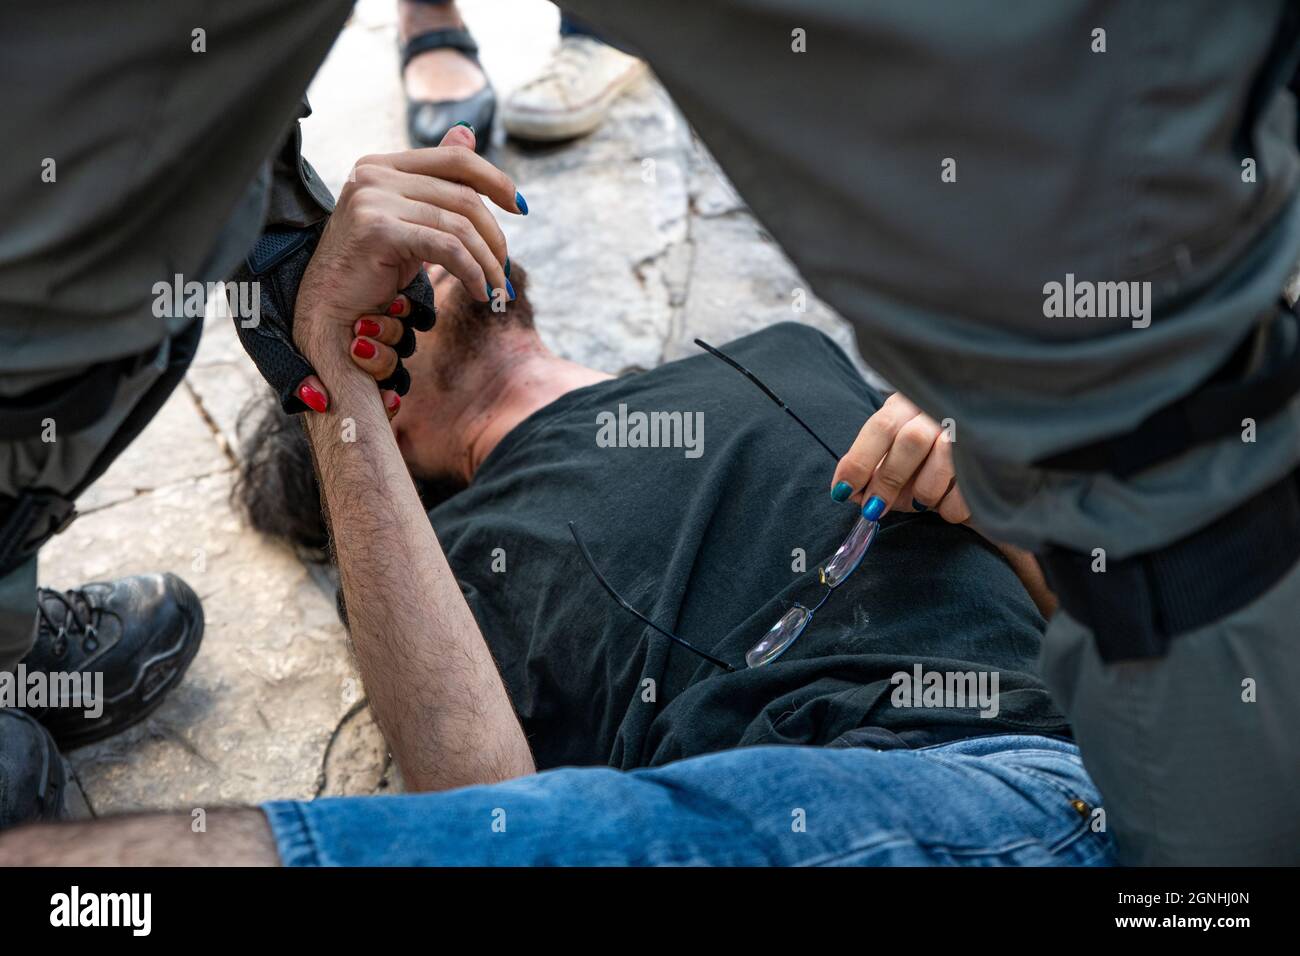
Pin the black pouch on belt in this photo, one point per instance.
(35, 515)
(1141, 603)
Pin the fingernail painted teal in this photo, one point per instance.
(520, 203)
(468, 126)
(874, 508)
(918, 506)
(507, 267)
(841, 491)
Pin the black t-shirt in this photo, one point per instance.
(706, 547)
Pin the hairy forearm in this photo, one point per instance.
(433, 686)
(236, 836)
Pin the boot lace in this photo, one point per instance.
(81, 619)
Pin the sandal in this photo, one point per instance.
(427, 122)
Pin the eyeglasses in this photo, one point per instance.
(795, 620)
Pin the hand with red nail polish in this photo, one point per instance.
(392, 402)
(374, 351)
(312, 393)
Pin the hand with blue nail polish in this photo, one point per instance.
(901, 460)
(399, 211)
(510, 292)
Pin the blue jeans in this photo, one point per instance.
(988, 801)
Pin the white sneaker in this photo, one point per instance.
(574, 92)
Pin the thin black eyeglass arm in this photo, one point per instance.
(762, 387)
(630, 609)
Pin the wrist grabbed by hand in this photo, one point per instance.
(283, 349)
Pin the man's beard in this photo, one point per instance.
(436, 489)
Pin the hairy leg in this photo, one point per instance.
(235, 836)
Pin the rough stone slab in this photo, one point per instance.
(756, 289)
(76, 805)
(229, 393)
(253, 717)
(357, 761)
(175, 446)
(643, 124)
(603, 241)
(219, 343)
(591, 248)
(223, 381)
(711, 192)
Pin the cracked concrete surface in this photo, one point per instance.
(635, 246)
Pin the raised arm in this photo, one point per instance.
(433, 685)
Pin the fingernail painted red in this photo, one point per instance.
(368, 327)
(394, 402)
(395, 307)
(362, 348)
(312, 398)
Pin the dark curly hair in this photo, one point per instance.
(276, 488)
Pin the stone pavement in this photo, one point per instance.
(634, 245)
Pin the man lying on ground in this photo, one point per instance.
(848, 748)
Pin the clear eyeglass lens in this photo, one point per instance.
(850, 553)
(781, 636)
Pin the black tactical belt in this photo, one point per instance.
(1137, 605)
(1208, 413)
(36, 514)
(73, 403)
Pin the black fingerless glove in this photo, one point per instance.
(277, 263)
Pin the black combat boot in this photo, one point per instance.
(130, 640)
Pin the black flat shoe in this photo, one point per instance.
(32, 777)
(427, 122)
(140, 633)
